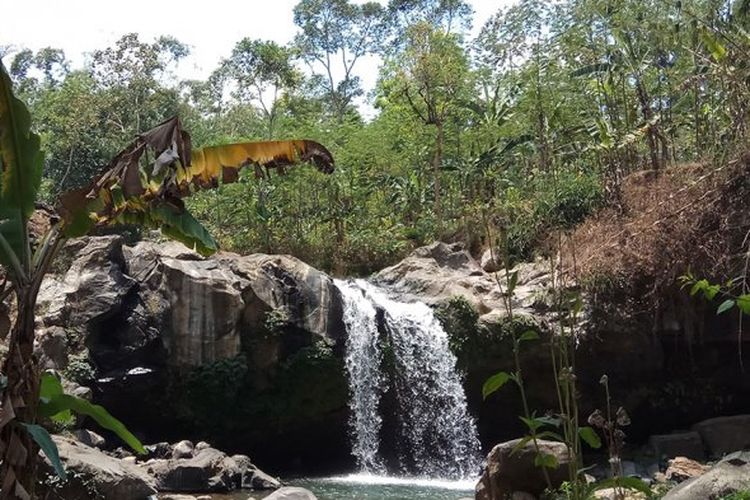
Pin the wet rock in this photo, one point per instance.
(92, 474)
(682, 468)
(730, 475)
(508, 471)
(208, 471)
(682, 444)
(158, 450)
(724, 435)
(291, 493)
(259, 480)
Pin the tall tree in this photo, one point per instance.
(334, 35)
(258, 72)
(132, 71)
(452, 16)
(430, 75)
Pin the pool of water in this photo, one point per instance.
(367, 487)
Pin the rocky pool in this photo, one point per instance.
(367, 487)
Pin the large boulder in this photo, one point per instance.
(730, 475)
(209, 470)
(510, 470)
(722, 435)
(131, 321)
(92, 474)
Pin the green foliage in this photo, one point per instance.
(213, 388)
(737, 495)
(80, 370)
(234, 396)
(459, 320)
(590, 437)
(495, 382)
(21, 168)
(48, 447)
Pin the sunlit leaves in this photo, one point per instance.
(495, 382)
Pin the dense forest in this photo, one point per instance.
(528, 127)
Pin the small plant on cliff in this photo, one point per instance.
(734, 294)
(143, 185)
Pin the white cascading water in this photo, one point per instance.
(437, 437)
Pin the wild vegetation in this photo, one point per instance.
(631, 115)
(582, 91)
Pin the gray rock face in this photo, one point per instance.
(292, 493)
(440, 271)
(730, 475)
(723, 435)
(88, 264)
(508, 471)
(92, 474)
(165, 294)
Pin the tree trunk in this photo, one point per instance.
(19, 451)
(437, 162)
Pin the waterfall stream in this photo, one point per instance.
(402, 372)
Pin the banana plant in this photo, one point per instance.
(144, 184)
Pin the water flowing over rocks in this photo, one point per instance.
(403, 374)
(248, 352)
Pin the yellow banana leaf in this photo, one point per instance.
(130, 191)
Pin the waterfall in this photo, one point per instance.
(399, 351)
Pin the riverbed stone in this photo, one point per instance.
(509, 469)
(90, 438)
(259, 480)
(291, 493)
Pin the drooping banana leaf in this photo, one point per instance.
(129, 191)
(20, 175)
